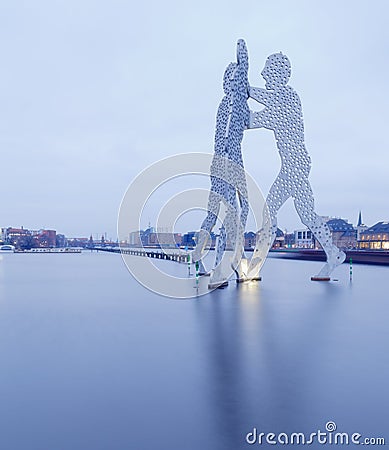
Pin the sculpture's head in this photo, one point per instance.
(277, 71)
(228, 77)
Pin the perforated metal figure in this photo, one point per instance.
(228, 180)
(283, 115)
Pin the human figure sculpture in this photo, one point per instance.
(228, 181)
(283, 115)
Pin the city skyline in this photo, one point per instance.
(344, 234)
(152, 226)
(87, 101)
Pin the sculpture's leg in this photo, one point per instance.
(221, 245)
(227, 234)
(206, 227)
(278, 194)
(244, 211)
(239, 262)
(218, 278)
(304, 203)
(203, 237)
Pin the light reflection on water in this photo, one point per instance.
(91, 360)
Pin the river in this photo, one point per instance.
(91, 360)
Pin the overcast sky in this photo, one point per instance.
(92, 92)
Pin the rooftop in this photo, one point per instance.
(339, 225)
(380, 227)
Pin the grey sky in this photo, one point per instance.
(91, 92)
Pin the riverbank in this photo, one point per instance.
(376, 257)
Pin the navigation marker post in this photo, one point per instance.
(188, 259)
(351, 269)
(197, 273)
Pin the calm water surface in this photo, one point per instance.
(89, 359)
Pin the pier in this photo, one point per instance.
(149, 253)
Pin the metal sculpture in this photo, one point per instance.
(228, 180)
(283, 115)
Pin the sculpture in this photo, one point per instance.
(283, 115)
(228, 180)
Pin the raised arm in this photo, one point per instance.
(259, 94)
(260, 119)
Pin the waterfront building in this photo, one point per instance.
(91, 243)
(24, 239)
(280, 239)
(360, 226)
(3, 235)
(164, 239)
(289, 240)
(189, 239)
(344, 235)
(44, 238)
(249, 240)
(61, 241)
(303, 238)
(81, 242)
(19, 237)
(134, 238)
(145, 236)
(151, 238)
(375, 237)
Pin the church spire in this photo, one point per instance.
(359, 219)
